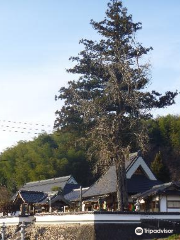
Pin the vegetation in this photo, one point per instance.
(56, 155)
(56, 189)
(109, 108)
(5, 200)
(110, 101)
(164, 134)
(48, 156)
(172, 237)
(5, 195)
(159, 168)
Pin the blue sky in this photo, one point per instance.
(37, 37)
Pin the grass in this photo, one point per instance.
(172, 237)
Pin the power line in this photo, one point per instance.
(26, 123)
(24, 127)
(16, 131)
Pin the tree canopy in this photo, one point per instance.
(110, 100)
(164, 134)
(48, 156)
(160, 169)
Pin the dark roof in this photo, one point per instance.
(107, 183)
(104, 185)
(140, 183)
(46, 185)
(54, 198)
(38, 197)
(161, 189)
(60, 198)
(30, 196)
(75, 194)
(70, 187)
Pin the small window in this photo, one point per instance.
(173, 204)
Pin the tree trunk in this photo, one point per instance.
(122, 196)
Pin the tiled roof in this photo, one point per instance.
(31, 196)
(46, 185)
(69, 187)
(104, 185)
(55, 198)
(160, 189)
(75, 194)
(140, 183)
(107, 183)
(59, 198)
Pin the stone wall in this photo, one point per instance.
(62, 232)
(78, 232)
(10, 231)
(96, 226)
(89, 231)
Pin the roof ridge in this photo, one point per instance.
(30, 191)
(45, 180)
(132, 160)
(135, 155)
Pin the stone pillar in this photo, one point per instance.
(22, 231)
(50, 207)
(3, 231)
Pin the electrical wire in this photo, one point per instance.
(24, 127)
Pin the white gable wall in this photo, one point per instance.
(140, 162)
(72, 180)
(163, 204)
(173, 198)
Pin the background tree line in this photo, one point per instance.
(58, 154)
(47, 156)
(164, 134)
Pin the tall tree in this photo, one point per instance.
(109, 101)
(5, 198)
(160, 169)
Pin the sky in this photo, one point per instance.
(37, 37)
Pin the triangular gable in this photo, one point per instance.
(29, 196)
(107, 183)
(71, 180)
(139, 162)
(18, 198)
